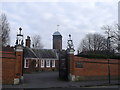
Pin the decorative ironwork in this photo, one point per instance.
(19, 40)
(70, 43)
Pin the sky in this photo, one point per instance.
(77, 18)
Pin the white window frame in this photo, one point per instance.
(47, 63)
(42, 63)
(25, 63)
(53, 63)
(36, 63)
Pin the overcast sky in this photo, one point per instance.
(75, 18)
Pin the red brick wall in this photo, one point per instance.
(8, 67)
(0, 69)
(70, 63)
(11, 65)
(95, 68)
(18, 66)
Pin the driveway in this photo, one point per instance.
(51, 80)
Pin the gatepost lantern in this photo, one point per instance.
(19, 40)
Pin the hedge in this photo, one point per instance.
(99, 56)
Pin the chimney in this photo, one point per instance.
(28, 41)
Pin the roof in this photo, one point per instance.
(56, 33)
(28, 53)
(40, 53)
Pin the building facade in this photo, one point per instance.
(42, 59)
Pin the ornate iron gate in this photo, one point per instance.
(63, 70)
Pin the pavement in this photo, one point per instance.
(51, 80)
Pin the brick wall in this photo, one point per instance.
(8, 67)
(11, 65)
(0, 70)
(94, 69)
(18, 66)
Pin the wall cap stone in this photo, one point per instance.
(16, 81)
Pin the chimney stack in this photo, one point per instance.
(28, 41)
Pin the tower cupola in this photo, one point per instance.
(56, 33)
(57, 40)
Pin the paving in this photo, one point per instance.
(51, 80)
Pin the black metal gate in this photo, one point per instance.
(63, 70)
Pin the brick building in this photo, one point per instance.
(42, 59)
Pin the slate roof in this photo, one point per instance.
(40, 53)
(28, 53)
(56, 33)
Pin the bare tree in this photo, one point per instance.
(116, 37)
(36, 42)
(4, 30)
(113, 36)
(93, 42)
(108, 31)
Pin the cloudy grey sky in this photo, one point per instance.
(75, 18)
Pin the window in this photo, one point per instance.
(53, 63)
(47, 63)
(79, 65)
(26, 63)
(42, 63)
(36, 63)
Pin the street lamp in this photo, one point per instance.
(108, 42)
(108, 48)
(109, 71)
